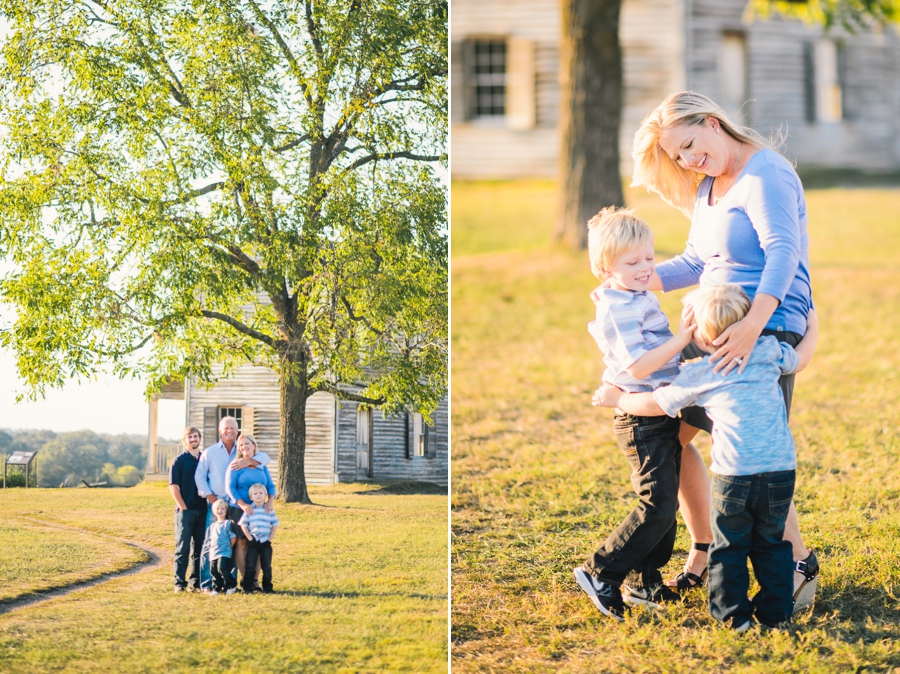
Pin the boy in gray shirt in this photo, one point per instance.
(753, 459)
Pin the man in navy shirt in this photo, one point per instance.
(190, 511)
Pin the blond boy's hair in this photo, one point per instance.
(216, 506)
(257, 487)
(716, 308)
(612, 232)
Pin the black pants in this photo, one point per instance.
(262, 552)
(642, 544)
(222, 570)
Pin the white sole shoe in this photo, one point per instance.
(586, 583)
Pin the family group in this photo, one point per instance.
(728, 369)
(224, 516)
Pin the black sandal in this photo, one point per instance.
(687, 580)
(806, 593)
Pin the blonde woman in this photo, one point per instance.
(748, 226)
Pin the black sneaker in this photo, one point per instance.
(655, 595)
(606, 597)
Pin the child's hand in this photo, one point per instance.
(607, 396)
(687, 326)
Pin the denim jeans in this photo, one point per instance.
(205, 574)
(190, 528)
(748, 515)
(642, 544)
(263, 552)
(222, 569)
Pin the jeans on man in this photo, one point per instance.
(642, 544)
(190, 530)
(263, 552)
(748, 516)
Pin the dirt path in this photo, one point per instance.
(158, 558)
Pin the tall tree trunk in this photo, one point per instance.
(292, 456)
(591, 110)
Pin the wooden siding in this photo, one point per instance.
(671, 45)
(389, 438)
(257, 387)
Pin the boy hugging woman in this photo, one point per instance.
(753, 459)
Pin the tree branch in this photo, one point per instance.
(240, 327)
(294, 143)
(354, 317)
(285, 50)
(343, 394)
(392, 155)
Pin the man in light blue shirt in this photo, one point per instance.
(210, 479)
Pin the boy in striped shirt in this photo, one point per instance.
(259, 528)
(640, 354)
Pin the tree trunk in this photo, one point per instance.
(292, 452)
(590, 115)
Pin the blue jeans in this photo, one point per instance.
(642, 544)
(190, 531)
(747, 517)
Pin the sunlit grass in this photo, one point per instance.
(538, 479)
(360, 580)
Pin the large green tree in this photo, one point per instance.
(592, 95)
(191, 185)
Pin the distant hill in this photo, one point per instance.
(79, 455)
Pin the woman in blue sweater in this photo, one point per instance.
(748, 226)
(237, 485)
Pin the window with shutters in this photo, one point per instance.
(494, 79)
(424, 438)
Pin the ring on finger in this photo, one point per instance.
(738, 360)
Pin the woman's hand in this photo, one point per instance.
(607, 396)
(246, 507)
(735, 346)
(270, 505)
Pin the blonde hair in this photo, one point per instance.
(251, 439)
(614, 231)
(217, 508)
(717, 307)
(656, 171)
(257, 487)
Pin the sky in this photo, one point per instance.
(108, 405)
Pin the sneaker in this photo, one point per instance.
(805, 594)
(178, 589)
(740, 629)
(268, 590)
(606, 597)
(654, 596)
(231, 590)
(213, 593)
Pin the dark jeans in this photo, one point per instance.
(190, 527)
(263, 552)
(222, 570)
(642, 544)
(748, 515)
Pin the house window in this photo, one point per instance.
(823, 62)
(733, 74)
(424, 438)
(486, 77)
(364, 442)
(235, 412)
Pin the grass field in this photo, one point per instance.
(360, 580)
(538, 479)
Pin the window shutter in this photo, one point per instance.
(247, 419)
(467, 63)
(210, 426)
(809, 82)
(430, 442)
(458, 107)
(520, 79)
(408, 443)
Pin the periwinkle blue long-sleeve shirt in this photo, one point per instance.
(213, 464)
(754, 236)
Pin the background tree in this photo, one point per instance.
(189, 185)
(592, 95)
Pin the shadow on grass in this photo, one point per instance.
(402, 488)
(353, 594)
